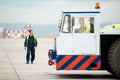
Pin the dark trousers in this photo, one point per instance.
(32, 52)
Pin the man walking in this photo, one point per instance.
(30, 44)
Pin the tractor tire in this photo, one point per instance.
(114, 58)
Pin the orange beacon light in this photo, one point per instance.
(97, 5)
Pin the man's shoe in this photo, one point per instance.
(27, 62)
(31, 62)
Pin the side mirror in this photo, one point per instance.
(59, 23)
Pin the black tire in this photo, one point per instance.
(114, 58)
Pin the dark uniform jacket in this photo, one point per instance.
(30, 42)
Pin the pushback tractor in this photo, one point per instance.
(82, 45)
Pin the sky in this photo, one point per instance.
(48, 12)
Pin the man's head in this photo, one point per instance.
(30, 32)
(81, 20)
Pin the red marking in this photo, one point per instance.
(64, 60)
(8, 31)
(74, 63)
(15, 34)
(87, 63)
(50, 62)
(18, 31)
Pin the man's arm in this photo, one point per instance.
(35, 42)
(25, 42)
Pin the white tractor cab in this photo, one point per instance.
(81, 45)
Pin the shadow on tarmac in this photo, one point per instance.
(64, 76)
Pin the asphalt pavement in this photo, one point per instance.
(13, 64)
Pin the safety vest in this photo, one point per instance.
(87, 30)
(116, 26)
(35, 39)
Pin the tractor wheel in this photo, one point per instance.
(114, 58)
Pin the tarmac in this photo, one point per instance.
(13, 64)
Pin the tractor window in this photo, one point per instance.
(84, 24)
(66, 24)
